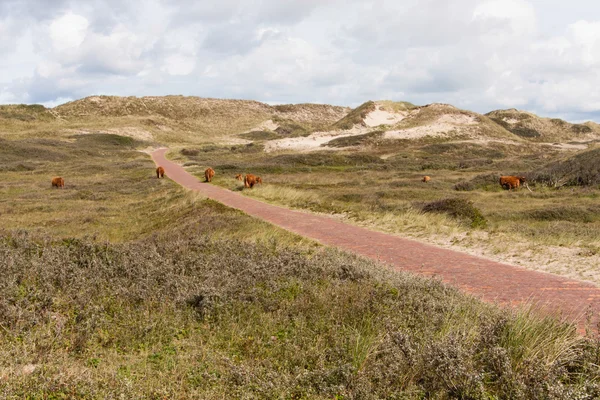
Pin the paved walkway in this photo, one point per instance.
(489, 280)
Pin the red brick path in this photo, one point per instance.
(489, 280)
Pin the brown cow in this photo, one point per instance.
(58, 182)
(251, 180)
(426, 179)
(510, 182)
(160, 172)
(208, 174)
(239, 177)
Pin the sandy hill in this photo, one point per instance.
(289, 126)
(398, 120)
(190, 108)
(530, 126)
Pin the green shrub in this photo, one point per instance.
(582, 169)
(464, 186)
(356, 116)
(458, 208)
(356, 140)
(260, 135)
(189, 152)
(474, 163)
(564, 214)
(580, 128)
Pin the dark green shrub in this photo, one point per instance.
(458, 208)
(485, 182)
(524, 132)
(583, 169)
(564, 214)
(464, 186)
(351, 197)
(260, 135)
(580, 128)
(353, 140)
(473, 163)
(189, 152)
(248, 148)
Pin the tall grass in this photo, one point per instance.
(184, 314)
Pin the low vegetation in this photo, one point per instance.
(582, 169)
(530, 126)
(122, 285)
(458, 208)
(356, 116)
(184, 313)
(378, 184)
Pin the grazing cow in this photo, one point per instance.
(208, 174)
(58, 182)
(426, 179)
(160, 172)
(511, 182)
(251, 180)
(239, 177)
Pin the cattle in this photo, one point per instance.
(510, 182)
(208, 174)
(239, 177)
(58, 182)
(160, 172)
(426, 179)
(251, 180)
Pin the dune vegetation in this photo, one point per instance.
(122, 285)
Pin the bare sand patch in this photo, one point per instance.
(267, 125)
(313, 141)
(382, 117)
(445, 125)
(570, 146)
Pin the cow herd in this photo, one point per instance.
(507, 182)
(249, 179)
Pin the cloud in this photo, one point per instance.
(477, 54)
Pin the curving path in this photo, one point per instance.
(489, 280)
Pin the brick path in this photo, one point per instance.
(489, 280)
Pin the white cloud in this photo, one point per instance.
(68, 31)
(178, 64)
(477, 54)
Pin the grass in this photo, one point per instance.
(183, 313)
(532, 127)
(126, 286)
(356, 116)
(387, 194)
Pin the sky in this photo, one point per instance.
(537, 55)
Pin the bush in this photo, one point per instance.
(248, 148)
(464, 186)
(260, 135)
(458, 208)
(484, 182)
(564, 214)
(580, 128)
(583, 169)
(189, 152)
(473, 163)
(355, 140)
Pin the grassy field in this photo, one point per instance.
(379, 186)
(122, 285)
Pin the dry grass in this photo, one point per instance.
(523, 228)
(530, 126)
(184, 314)
(126, 286)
